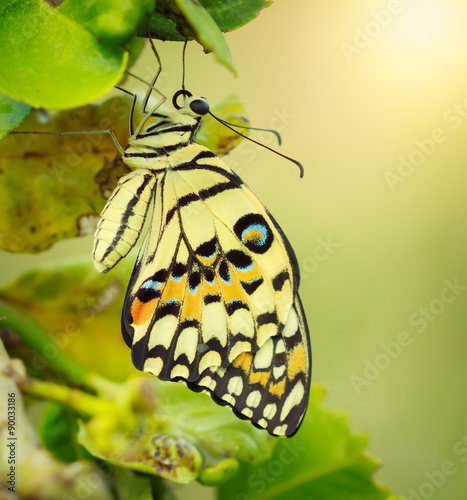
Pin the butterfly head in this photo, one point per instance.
(173, 129)
(191, 105)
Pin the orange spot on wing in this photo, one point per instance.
(174, 289)
(243, 361)
(261, 377)
(250, 274)
(141, 312)
(192, 305)
(277, 389)
(234, 291)
(297, 362)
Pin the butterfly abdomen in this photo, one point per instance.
(122, 219)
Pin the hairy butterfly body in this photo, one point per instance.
(213, 299)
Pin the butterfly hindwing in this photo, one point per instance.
(213, 298)
(269, 387)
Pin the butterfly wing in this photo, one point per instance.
(215, 285)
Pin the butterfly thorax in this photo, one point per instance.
(170, 131)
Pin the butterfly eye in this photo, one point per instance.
(199, 106)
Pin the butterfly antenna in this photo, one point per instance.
(275, 132)
(299, 165)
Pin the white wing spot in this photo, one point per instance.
(280, 347)
(247, 412)
(180, 371)
(153, 365)
(235, 386)
(253, 399)
(291, 325)
(210, 359)
(262, 423)
(293, 399)
(280, 430)
(264, 356)
(269, 411)
(186, 343)
(228, 398)
(278, 371)
(208, 382)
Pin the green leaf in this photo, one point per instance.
(134, 46)
(32, 73)
(58, 431)
(232, 14)
(162, 28)
(12, 113)
(228, 15)
(206, 31)
(135, 487)
(219, 431)
(163, 428)
(60, 170)
(113, 21)
(193, 20)
(168, 456)
(323, 461)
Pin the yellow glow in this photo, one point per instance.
(429, 25)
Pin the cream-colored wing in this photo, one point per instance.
(215, 283)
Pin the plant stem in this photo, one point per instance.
(49, 353)
(85, 404)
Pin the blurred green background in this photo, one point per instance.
(371, 96)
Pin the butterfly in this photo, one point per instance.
(213, 299)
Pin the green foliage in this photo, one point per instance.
(168, 24)
(139, 487)
(78, 308)
(60, 170)
(96, 42)
(193, 20)
(113, 21)
(32, 73)
(177, 20)
(12, 113)
(58, 431)
(323, 461)
(179, 436)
